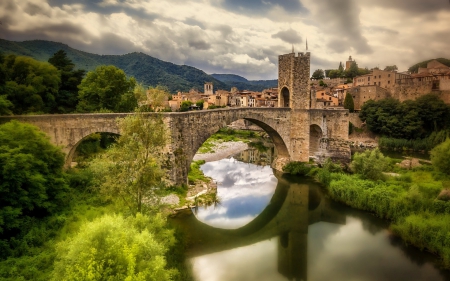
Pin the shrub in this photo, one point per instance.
(370, 164)
(440, 157)
(297, 168)
(116, 248)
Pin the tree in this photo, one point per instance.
(31, 178)
(5, 106)
(370, 164)
(440, 157)
(116, 248)
(107, 87)
(391, 68)
(200, 104)
(31, 86)
(318, 74)
(67, 97)
(341, 67)
(348, 103)
(185, 105)
(335, 74)
(352, 71)
(131, 169)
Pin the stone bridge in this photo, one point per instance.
(297, 128)
(296, 134)
(291, 210)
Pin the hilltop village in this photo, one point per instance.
(330, 93)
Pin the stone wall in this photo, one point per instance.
(361, 94)
(354, 118)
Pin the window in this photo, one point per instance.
(389, 75)
(368, 78)
(379, 83)
(389, 82)
(374, 83)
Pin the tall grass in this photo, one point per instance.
(425, 144)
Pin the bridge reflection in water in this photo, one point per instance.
(291, 210)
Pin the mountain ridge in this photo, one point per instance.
(145, 68)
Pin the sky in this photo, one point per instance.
(237, 36)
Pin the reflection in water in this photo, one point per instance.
(292, 232)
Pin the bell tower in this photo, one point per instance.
(293, 80)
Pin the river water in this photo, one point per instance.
(270, 226)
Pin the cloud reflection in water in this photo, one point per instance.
(244, 190)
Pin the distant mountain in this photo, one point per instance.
(229, 78)
(243, 84)
(146, 69)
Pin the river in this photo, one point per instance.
(270, 226)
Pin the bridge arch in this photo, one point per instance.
(71, 148)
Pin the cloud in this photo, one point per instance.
(258, 6)
(289, 36)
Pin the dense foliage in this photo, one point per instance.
(67, 96)
(318, 74)
(116, 248)
(408, 119)
(107, 87)
(440, 157)
(32, 184)
(349, 103)
(350, 73)
(370, 164)
(31, 86)
(130, 171)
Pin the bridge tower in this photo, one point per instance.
(293, 80)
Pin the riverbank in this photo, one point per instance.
(221, 150)
(411, 200)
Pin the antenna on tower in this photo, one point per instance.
(292, 48)
(306, 43)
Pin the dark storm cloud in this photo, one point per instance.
(342, 24)
(95, 7)
(194, 22)
(199, 44)
(33, 9)
(226, 30)
(52, 31)
(381, 29)
(258, 6)
(289, 36)
(411, 6)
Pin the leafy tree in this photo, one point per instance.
(116, 248)
(185, 105)
(391, 68)
(107, 87)
(322, 84)
(348, 103)
(131, 169)
(30, 85)
(318, 74)
(67, 97)
(341, 67)
(335, 74)
(440, 157)
(200, 103)
(353, 70)
(370, 164)
(31, 177)
(5, 106)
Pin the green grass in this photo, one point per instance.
(195, 174)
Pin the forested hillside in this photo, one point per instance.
(415, 68)
(144, 68)
(243, 84)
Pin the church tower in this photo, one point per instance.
(293, 80)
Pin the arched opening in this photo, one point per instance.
(89, 145)
(284, 97)
(315, 134)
